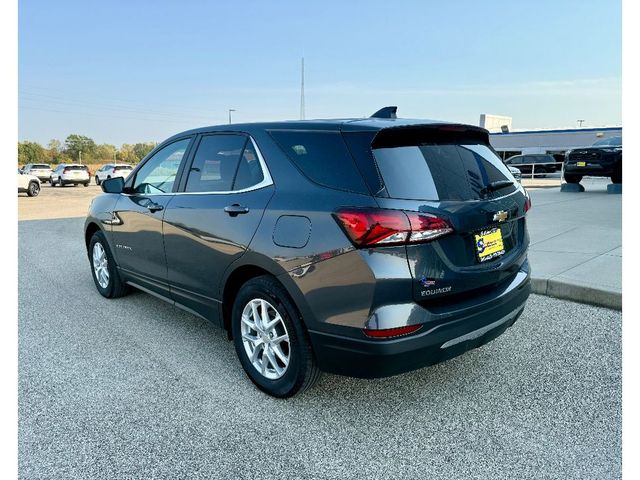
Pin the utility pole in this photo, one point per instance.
(230, 110)
(580, 122)
(302, 91)
(80, 157)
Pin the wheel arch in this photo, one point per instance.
(254, 266)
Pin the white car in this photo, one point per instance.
(111, 170)
(28, 183)
(40, 170)
(516, 173)
(70, 174)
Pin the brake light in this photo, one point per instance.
(527, 203)
(379, 227)
(66, 170)
(391, 332)
(114, 170)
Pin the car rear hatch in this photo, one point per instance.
(451, 176)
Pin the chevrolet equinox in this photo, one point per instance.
(363, 247)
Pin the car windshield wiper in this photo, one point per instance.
(497, 185)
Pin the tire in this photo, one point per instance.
(97, 181)
(114, 287)
(573, 178)
(301, 371)
(60, 183)
(34, 189)
(51, 182)
(616, 176)
(85, 184)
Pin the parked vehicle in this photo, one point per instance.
(543, 163)
(70, 174)
(602, 159)
(40, 170)
(364, 247)
(517, 174)
(28, 183)
(111, 170)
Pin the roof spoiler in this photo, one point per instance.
(386, 112)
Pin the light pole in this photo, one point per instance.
(230, 110)
(80, 157)
(580, 122)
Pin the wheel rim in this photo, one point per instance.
(265, 339)
(34, 189)
(100, 265)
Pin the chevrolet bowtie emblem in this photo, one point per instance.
(500, 216)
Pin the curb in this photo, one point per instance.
(577, 293)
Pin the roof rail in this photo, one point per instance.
(386, 112)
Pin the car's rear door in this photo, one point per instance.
(138, 214)
(213, 218)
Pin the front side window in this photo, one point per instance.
(215, 165)
(158, 174)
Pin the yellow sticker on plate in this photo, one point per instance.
(489, 244)
(582, 164)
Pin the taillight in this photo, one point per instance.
(378, 227)
(114, 170)
(391, 332)
(66, 170)
(527, 203)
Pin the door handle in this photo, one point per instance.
(154, 207)
(235, 210)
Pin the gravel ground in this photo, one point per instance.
(135, 388)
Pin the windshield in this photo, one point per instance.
(441, 171)
(609, 142)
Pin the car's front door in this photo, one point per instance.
(137, 218)
(211, 222)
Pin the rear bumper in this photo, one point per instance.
(470, 328)
(593, 170)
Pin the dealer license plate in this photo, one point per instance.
(489, 244)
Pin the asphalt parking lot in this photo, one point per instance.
(135, 388)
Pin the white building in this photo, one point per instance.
(549, 141)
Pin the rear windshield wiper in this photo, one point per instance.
(497, 185)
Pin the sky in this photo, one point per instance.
(135, 71)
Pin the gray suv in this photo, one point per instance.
(364, 247)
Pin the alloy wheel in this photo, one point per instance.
(100, 265)
(265, 339)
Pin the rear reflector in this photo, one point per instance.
(391, 332)
(368, 227)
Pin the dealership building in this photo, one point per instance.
(554, 141)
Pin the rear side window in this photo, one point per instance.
(441, 171)
(322, 157)
(224, 163)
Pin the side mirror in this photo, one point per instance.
(113, 185)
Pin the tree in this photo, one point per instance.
(105, 152)
(54, 151)
(142, 149)
(74, 144)
(30, 152)
(126, 154)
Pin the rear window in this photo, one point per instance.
(76, 167)
(39, 166)
(322, 157)
(441, 171)
(122, 167)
